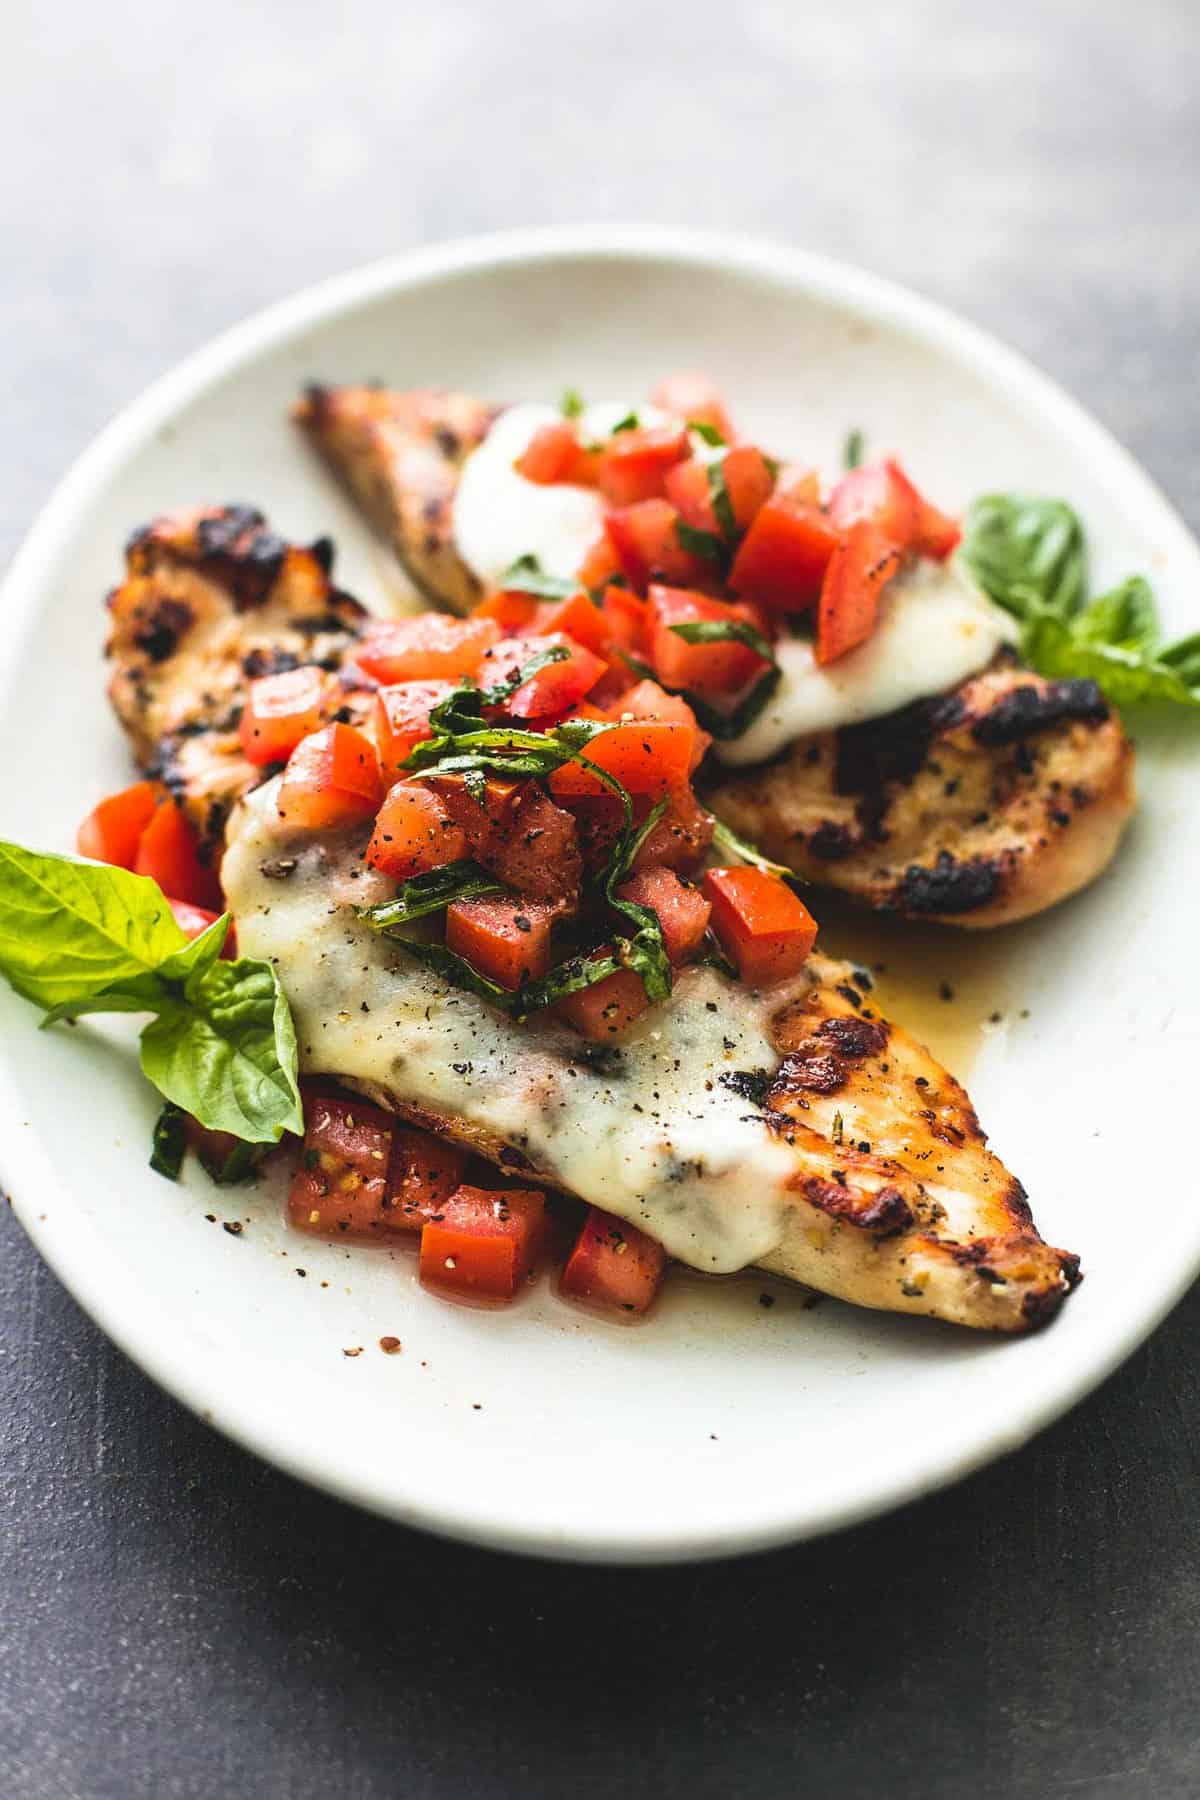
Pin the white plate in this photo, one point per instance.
(720, 1425)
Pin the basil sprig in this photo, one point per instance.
(431, 892)
(729, 840)
(527, 576)
(78, 938)
(1030, 556)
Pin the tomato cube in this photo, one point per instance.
(748, 483)
(626, 617)
(614, 1265)
(724, 667)
(506, 939)
(169, 853)
(428, 647)
(578, 617)
(764, 927)
(341, 1184)
(414, 832)
(682, 910)
(646, 700)
(634, 464)
(484, 1242)
(553, 689)
(111, 833)
(507, 608)
(279, 711)
(607, 1008)
(423, 1173)
(680, 838)
(332, 779)
(694, 397)
(648, 756)
(401, 720)
(533, 848)
(784, 554)
(599, 565)
(883, 493)
(646, 538)
(550, 454)
(860, 568)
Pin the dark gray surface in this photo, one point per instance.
(176, 1620)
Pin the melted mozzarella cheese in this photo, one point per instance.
(935, 629)
(645, 1129)
(499, 515)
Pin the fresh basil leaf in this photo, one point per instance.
(718, 499)
(707, 432)
(1129, 677)
(169, 1141)
(571, 404)
(71, 928)
(154, 989)
(728, 839)
(705, 544)
(1126, 615)
(1025, 551)
(854, 450)
(720, 631)
(1184, 657)
(628, 423)
(225, 1050)
(430, 893)
(527, 576)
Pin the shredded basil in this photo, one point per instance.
(728, 839)
(718, 497)
(717, 631)
(628, 423)
(571, 404)
(855, 449)
(527, 576)
(707, 432)
(430, 893)
(705, 544)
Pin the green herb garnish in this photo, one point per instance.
(741, 847)
(628, 423)
(1029, 555)
(854, 449)
(430, 893)
(707, 432)
(718, 631)
(718, 499)
(704, 544)
(169, 1142)
(527, 576)
(571, 404)
(77, 938)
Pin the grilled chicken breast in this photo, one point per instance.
(399, 454)
(847, 1160)
(981, 807)
(889, 1196)
(212, 599)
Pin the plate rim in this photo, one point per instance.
(97, 1281)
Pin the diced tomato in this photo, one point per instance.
(626, 617)
(341, 1184)
(614, 1264)
(194, 921)
(748, 482)
(680, 838)
(332, 779)
(883, 493)
(535, 850)
(766, 930)
(647, 700)
(401, 720)
(648, 756)
(724, 667)
(482, 815)
(168, 853)
(784, 554)
(423, 1173)
(861, 566)
(506, 939)
(553, 689)
(607, 1008)
(484, 1242)
(682, 910)
(508, 609)
(616, 680)
(634, 464)
(551, 454)
(599, 565)
(646, 538)
(795, 482)
(428, 647)
(414, 832)
(578, 617)
(694, 396)
(111, 833)
(279, 711)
